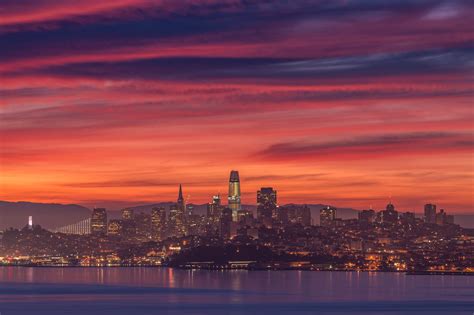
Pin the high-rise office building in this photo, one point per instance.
(245, 217)
(389, 215)
(143, 226)
(408, 218)
(326, 216)
(367, 216)
(129, 227)
(214, 208)
(440, 217)
(129, 230)
(291, 213)
(127, 214)
(234, 194)
(158, 219)
(115, 228)
(430, 213)
(266, 204)
(172, 218)
(213, 215)
(99, 221)
(282, 215)
(226, 223)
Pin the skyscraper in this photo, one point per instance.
(440, 217)
(214, 212)
(226, 223)
(158, 219)
(172, 219)
(214, 208)
(143, 226)
(180, 202)
(180, 215)
(326, 216)
(129, 226)
(99, 221)
(282, 215)
(266, 204)
(430, 213)
(234, 194)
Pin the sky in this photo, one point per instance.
(348, 103)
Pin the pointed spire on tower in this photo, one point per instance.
(180, 195)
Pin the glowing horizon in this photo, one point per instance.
(341, 103)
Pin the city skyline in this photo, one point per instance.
(385, 240)
(343, 103)
(234, 202)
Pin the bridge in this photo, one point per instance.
(79, 228)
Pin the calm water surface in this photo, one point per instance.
(169, 291)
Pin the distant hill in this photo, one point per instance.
(48, 215)
(465, 220)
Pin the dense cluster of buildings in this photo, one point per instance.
(220, 220)
(229, 236)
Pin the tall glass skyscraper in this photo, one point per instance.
(234, 194)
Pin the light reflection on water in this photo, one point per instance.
(172, 291)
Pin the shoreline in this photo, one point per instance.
(408, 273)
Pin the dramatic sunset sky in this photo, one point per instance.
(114, 103)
